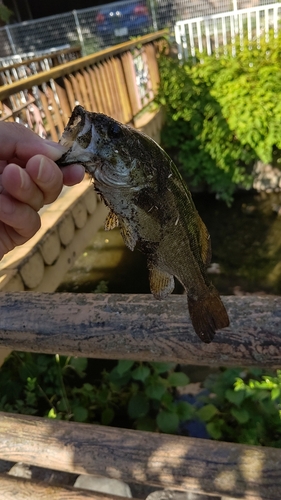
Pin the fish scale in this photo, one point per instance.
(151, 204)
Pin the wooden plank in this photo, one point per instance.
(98, 107)
(50, 126)
(69, 92)
(125, 108)
(92, 106)
(161, 460)
(83, 88)
(114, 326)
(131, 84)
(64, 102)
(72, 66)
(98, 89)
(25, 489)
(76, 89)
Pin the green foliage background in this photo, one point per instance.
(223, 114)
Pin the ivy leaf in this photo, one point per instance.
(214, 430)
(80, 414)
(207, 412)
(141, 373)
(168, 422)
(79, 364)
(275, 393)
(235, 397)
(138, 406)
(241, 415)
(123, 366)
(155, 391)
(185, 411)
(163, 367)
(178, 379)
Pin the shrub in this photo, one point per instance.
(222, 115)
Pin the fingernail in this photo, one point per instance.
(45, 173)
(22, 178)
(54, 150)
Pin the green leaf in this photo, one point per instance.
(123, 366)
(214, 430)
(177, 379)
(207, 412)
(275, 393)
(80, 414)
(141, 373)
(168, 422)
(155, 390)
(107, 416)
(79, 364)
(185, 411)
(163, 367)
(241, 415)
(138, 406)
(52, 413)
(235, 397)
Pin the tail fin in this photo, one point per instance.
(207, 314)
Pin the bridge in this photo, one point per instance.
(121, 82)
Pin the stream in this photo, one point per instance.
(246, 249)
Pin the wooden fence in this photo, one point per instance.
(137, 327)
(119, 81)
(126, 327)
(27, 67)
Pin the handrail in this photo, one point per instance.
(83, 62)
(114, 326)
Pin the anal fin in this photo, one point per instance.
(111, 221)
(128, 234)
(161, 283)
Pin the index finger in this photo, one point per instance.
(21, 143)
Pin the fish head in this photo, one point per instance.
(102, 145)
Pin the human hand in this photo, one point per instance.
(29, 179)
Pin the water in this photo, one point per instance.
(246, 247)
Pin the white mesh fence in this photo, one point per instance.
(99, 27)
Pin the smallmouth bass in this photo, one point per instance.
(151, 204)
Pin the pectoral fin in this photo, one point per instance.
(111, 221)
(161, 283)
(128, 234)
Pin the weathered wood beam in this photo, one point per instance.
(114, 326)
(25, 489)
(175, 462)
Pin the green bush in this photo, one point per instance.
(242, 406)
(135, 395)
(223, 114)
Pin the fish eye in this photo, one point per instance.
(114, 131)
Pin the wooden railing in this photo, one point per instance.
(23, 69)
(119, 81)
(126, 327)
(137, 327)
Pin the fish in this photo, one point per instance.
(150, 202)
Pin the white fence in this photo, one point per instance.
(217, 32)
(104, 25)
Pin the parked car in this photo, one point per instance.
(119, 21)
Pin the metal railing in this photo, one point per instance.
(98, 27)
(219, 32)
